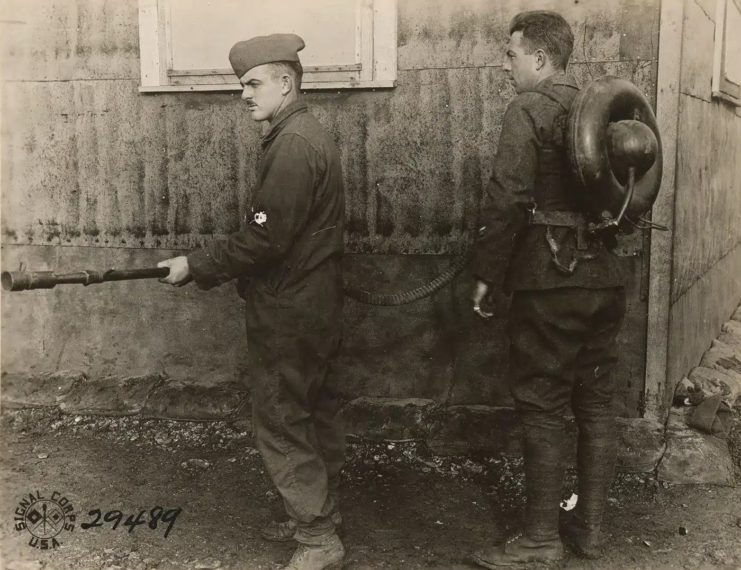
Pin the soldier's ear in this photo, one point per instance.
(286, 84)
(540, 59)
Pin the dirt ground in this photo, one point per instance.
(403, 507)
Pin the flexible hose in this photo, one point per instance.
(393, 299)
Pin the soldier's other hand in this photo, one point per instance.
(179, 271)
(480, 292)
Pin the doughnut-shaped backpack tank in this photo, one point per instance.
(612, 131)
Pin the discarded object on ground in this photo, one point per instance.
(712, 415)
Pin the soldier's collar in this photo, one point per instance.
(559, 78)
(280, 120)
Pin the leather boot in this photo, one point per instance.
(544, 472)
(325, 556)
(519, 551)
(543, 436)
(580, 538)
(596, 454)
(279, 531)
(284, 531)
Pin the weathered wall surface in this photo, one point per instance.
(707, 234)
(95, 174)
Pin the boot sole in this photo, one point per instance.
(335, 565)
(570, 541)
(492, 566)
(339, 565)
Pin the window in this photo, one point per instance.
(184, 44)
(727, 60)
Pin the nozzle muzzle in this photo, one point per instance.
(22, 280)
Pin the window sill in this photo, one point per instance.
(327, 85)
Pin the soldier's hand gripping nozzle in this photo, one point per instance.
(26, 280)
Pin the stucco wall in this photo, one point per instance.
(95, 175)
(707, 234)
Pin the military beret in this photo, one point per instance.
(264, 49)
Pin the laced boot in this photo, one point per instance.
(325, 556)
(580, 538)
(279, 531)
(540, 541)
(596, 454)
(543, 444)
(284, 531)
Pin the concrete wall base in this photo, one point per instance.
(447, 430)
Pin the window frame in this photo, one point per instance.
(375, 67)
(722, 87)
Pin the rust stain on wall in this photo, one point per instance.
(96, 163)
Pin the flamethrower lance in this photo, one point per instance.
(25, 280)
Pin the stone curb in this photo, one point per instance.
(108, 395)
(37, 390)
(466, 429)
(149, 396)
(177, 400)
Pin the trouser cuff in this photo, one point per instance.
(316, 533)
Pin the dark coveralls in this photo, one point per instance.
(562, 328)
(288, 261)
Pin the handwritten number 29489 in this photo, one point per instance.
(155, 516)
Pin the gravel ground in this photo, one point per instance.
(403, 506)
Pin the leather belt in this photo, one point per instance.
(563, 219)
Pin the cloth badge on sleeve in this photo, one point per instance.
(260, 218)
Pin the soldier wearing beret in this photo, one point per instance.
(288, 264)
(567, 298)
